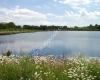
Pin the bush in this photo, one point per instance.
(8, 53)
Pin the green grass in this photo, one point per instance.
(14, 31)
(48, 68)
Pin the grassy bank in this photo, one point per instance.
(14, 31)
(49, 68)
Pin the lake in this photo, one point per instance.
(56, 43)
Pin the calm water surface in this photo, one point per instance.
(52, 43)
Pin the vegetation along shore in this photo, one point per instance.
(11, 28)
(48, 68)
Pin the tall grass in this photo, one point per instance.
(48, 68)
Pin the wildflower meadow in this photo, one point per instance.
(49, 68)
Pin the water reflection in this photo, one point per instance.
(52, 43)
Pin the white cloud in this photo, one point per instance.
(82, 17)
(97, 1)
(28, 16)
(89, 15)
(75, 2)
(23, 15)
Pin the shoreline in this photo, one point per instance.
(17, 32)
(14, 32)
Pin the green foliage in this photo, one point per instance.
(12, 26)
(8, 53)
(28, 68)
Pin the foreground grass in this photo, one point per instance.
(49, 68)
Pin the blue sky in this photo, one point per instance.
(50, 12)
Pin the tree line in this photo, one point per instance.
(11, 25)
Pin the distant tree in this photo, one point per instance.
(27, 27)
(18, 26)
(43, 27)
(11, 25)
(76, 27)
(90, 26)
(35, 27)
(65, 27)
(99, 26)
(96, 25)
(1, 26)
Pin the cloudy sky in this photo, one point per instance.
(57, 12)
